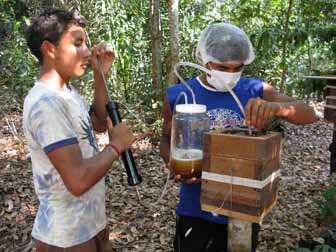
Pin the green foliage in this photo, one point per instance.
(17, 66)
(125, 25)
(311, 42)
(319, 248)
(327, 205)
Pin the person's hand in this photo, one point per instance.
(120, 135)
(106, 56)
(178, 178)
(257, 111)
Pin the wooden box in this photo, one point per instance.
(240, 174)
(330, 106)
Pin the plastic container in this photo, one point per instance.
(189, 124)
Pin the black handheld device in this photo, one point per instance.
(112, 108)
(134, 178)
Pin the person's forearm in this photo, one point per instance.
(100, 99)
(296, 112)
(165, 150)
(91, 170)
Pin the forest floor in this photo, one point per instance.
(305, 175)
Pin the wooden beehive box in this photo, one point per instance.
(240, 174)
(330, 93)
(330, 107)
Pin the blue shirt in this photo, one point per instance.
(224, 112)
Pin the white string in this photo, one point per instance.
(230, 192)
(163, 193)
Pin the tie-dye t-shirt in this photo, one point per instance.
(53, 118)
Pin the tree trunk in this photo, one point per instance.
(173, 55)
(284, 47)
(310, 65)
(239, 236)
(156, 44)
(310, 61)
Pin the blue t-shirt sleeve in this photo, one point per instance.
(258, 88)
(50, 124)
(173, 93)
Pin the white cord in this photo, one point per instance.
(163, 193)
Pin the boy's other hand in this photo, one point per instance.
(106, 55)
(120, 135)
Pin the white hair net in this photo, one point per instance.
(224, 43)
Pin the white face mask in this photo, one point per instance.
(220, 80)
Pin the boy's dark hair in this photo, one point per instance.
(50, 25)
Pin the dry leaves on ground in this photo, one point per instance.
(137, 227)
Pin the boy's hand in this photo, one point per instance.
(106, 56)
(178, 178)
(120, 135)
(257, 111)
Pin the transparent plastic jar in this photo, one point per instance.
(189, 123)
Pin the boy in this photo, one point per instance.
(224, 49)
(68, 168)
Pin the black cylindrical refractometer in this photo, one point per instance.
(112, 108)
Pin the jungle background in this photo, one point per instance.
(292, 39)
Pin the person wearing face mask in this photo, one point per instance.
(224, 50)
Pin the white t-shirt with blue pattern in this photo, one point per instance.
(53, 118)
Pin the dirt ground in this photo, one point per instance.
(305, 174)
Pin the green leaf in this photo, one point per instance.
(330, 194)
(324, 248)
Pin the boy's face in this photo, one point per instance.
(72, 54)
